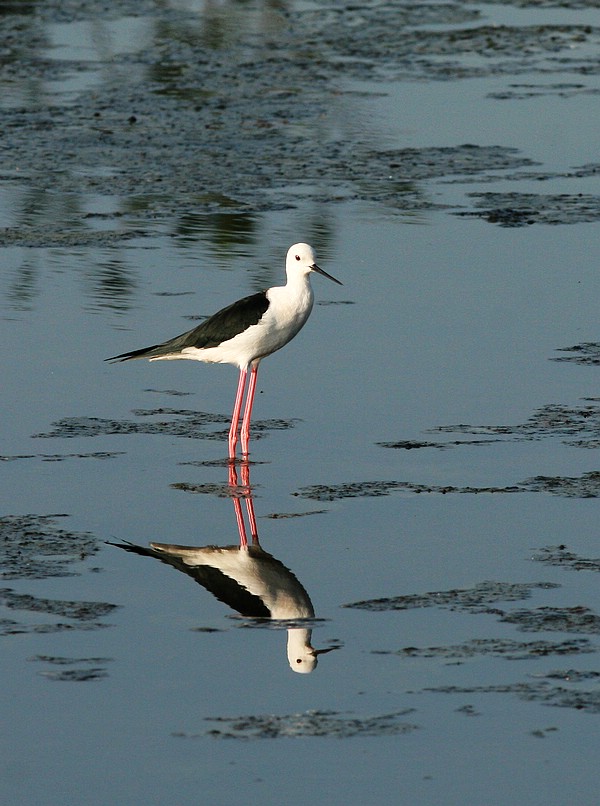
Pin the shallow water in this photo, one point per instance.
(424, 456)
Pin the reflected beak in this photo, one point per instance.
(314, 267)
(331, 648)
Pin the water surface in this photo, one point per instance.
(425, 452)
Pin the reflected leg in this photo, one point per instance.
(249, 503)
(237, 506)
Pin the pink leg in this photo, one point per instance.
(249, 503)
(252, 520)
(245, 430)
(237, 407)
(237, 506)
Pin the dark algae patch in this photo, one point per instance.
(61, 457)
(37, 547)
(577, 619)
(83, 675)
(12, 627)
(585, 486)
(412, 444)
(84, 669)
(520, 209)
(496, 647)
(578, 689)
(574, 425)
(166, 421)
(478, 599)
(542, 691)
(561, 556)
(160, 138)
(577, 425)
(585, 353)
(78, 611)
(309, 724)
(80, 615)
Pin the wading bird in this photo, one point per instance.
(245, 332)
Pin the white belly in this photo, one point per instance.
(283, 319)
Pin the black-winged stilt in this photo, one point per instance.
(246, 578)
(245, 332)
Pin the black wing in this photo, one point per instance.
(220, 327)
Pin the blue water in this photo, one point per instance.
(442, 320)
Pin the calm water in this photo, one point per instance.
(467, 670)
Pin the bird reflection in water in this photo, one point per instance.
(246, 577)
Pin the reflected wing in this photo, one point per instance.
(222, 587)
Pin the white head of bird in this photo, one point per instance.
(301, 260)
(302, 656)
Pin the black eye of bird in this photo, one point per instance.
(297, 257)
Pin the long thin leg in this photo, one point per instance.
(237, 493)
(249, 503)
(237, 506)
(245, 430)
(237, 407)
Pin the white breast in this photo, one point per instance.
(289, 308)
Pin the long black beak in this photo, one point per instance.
(314, 267)
(331, 648)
